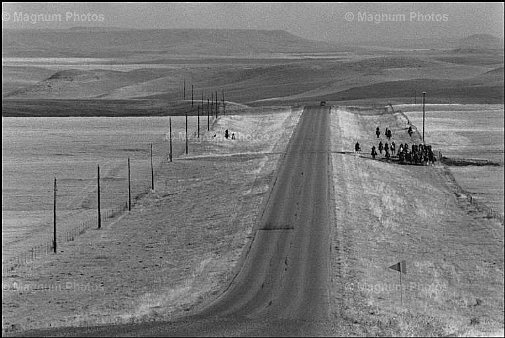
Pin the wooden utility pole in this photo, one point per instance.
(224, 107)
(217, 105)
(212, 103)
(152, 169)
(184, 90)
(129, 188)
(54, 217)
(186, 133)
(415, 97)
(191, 96)
(198, 129)
(424, 96)
(202, 101)
(98, 192)
(170, 152)
(208, 115)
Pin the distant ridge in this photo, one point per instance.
(472, 42)
(478, 41)
(100, 42)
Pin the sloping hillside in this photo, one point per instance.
(375, 77)
(478, 89)
(494, 77)
(81, 84)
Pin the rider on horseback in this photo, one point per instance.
(357, 147)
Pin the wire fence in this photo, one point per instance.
(71, 229)
(481, 206)
(70, 235)
(490, 212)
(71, 232)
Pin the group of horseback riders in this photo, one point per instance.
(418, 154)
(388, 149)
(388, 133)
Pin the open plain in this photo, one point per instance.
(281, 230)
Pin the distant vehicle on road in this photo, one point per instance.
(323, 103)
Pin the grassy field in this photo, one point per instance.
(36, 150)
(386, 213)
(179, 245)
(468, 132)
(175, 249)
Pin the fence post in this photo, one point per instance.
(129, 188)
(170, 152)
(54, 217)
(152, 170)
(98, 192)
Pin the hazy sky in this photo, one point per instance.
(320, 21)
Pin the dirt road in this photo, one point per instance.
(282, 287)
(286, 272)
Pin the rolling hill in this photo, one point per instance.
(81, 84)
(480, 41)
(103, 43)
(253, 67)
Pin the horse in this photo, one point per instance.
(388, 134)
(401, 157)
(431, 156)
(374, 152)
(408, 157)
